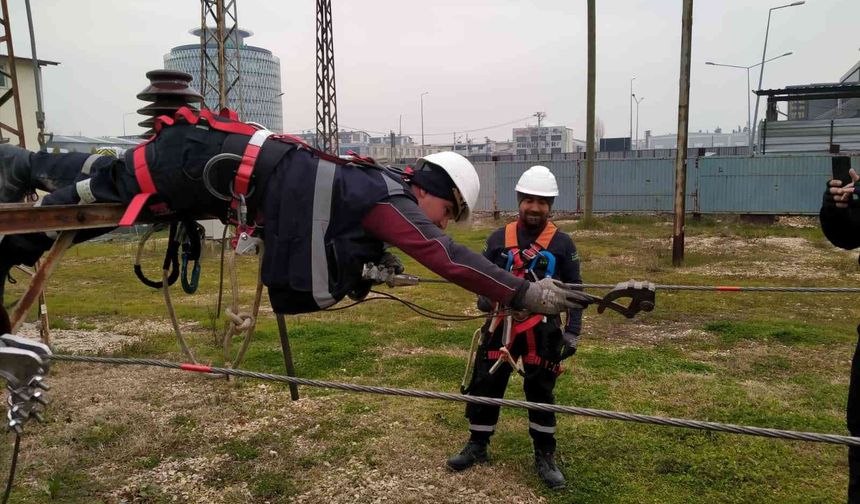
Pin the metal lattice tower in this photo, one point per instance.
(6, 39)
(326, 98)
(220, 75)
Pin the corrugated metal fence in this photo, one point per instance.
(778, 184)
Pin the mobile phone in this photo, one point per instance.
(840, 166)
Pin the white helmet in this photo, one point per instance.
(538, 181)
(462, 173)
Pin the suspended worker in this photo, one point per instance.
(840, 221)
(531, 248)
(322, 218)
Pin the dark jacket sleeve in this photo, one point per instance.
(400, 222)
(569, 272)
(841, 225)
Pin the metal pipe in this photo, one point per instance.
(37, 76)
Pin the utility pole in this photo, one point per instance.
(219, 29)
(391, 158)
(683, 126)
(540, 116)
(589, 114)
(326, 96)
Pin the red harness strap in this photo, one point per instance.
(521, 257)
(144, 176)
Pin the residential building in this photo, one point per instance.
(27, 95)
(716, 138)
(544, 140)
(260, 85)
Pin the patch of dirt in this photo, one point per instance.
(79, 341)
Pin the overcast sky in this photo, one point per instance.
(483, 62)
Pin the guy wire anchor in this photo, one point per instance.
(23, 368)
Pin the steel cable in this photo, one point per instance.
(488, 401)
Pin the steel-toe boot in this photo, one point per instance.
(473, 453)
(547, 470)
(14, 173)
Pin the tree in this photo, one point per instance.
(598, 130)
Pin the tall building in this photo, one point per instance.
(260, 83)
(544, 140)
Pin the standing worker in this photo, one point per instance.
(840, 221)
(531, 248)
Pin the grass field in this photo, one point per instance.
(150, 435)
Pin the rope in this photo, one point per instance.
(488, 401)
(165, 289)
(420, 310)
(12, 467)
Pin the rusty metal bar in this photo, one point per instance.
(16, 95)
(23, 218)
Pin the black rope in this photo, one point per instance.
(12, 467)
(420, 310)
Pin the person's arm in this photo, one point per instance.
(841, 225)
(400, 222)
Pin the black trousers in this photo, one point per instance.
(538, 385)
(68, 178)
(853, 420)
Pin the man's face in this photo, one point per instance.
(534, 211)
(438, 210)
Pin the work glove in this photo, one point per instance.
(484, 304)
(569, 341)
(550, 297)
(392, 262)
(383, 270)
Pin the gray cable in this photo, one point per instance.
(489, 401)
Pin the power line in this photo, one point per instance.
(484, 128)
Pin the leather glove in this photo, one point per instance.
(391, 262)
(569, 340)
(484, 304)
(550, 297)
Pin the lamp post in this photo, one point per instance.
(422, 120)
(631, 107)
(749, 90)
(763, 53)
(638, 101)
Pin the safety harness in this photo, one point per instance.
(522, 263)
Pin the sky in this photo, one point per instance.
(482, 62)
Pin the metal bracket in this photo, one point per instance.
(641, 294)
(23, 368)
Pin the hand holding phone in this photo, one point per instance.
(841, 166)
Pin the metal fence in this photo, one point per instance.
(778, 184)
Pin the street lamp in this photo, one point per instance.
(749, 90)
(763, 52)
(631, 107)
(638, 101)
(422, 120)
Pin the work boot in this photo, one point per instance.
(14, 173)
(473, 453)
(547, 470)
